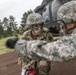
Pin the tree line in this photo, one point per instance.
(9, 27)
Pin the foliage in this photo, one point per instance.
(22, 28)
(12, 23)
(7, 26)
(1, 29)
(24, 18)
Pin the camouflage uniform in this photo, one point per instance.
(42, 66)
(63, 49)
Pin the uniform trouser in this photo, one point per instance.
(42, 67)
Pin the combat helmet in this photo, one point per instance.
(67, 12)
(34, 19)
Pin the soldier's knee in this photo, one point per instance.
(44, 67)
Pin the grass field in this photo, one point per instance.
(3, 48)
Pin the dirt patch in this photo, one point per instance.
(9, 66)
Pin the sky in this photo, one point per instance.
(17, 8)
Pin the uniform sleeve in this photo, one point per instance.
(61, 50)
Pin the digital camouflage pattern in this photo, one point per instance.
(67, 12)
(34, 18)
(61, 50)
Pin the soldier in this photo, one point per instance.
(67, 13)
(37, 32)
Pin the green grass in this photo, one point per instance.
(3, 48)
